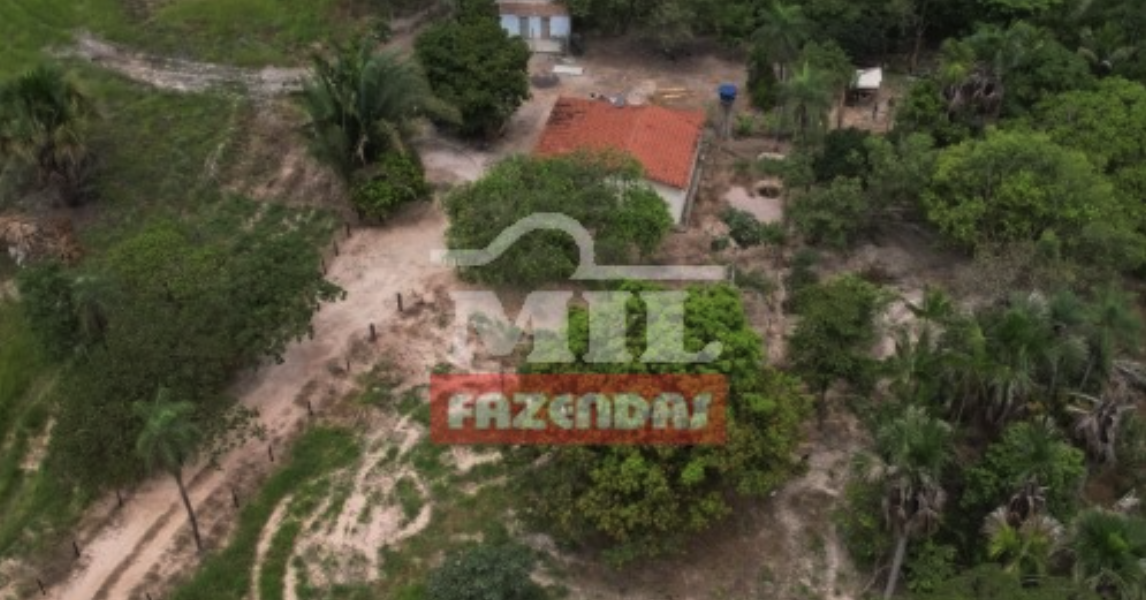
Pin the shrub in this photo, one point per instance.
(485, 572)
(748, 232)
(398, 179)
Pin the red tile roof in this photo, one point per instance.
(662, 139)
(533, 9)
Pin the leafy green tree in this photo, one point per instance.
(671, 25)
(834, 215)
(924, 111)
(1109, 550)
(168, 439)
(646, 500)
(604, 193)
(186, 305)
(913, 452)
(44, 118)
(362, 103)
(474, 65)
(1027, 451)
(900, 171)
(1108, 123)
(485, 572)
(836, 334)
(843, 154)
(48, 305)
(1013, 187)
(398, 179)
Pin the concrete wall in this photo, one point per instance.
(674, 197)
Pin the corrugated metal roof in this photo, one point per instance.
(663, 140)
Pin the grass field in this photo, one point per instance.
(240, 32)
(30, 501)
(249, 32)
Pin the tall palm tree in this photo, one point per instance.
(43, 119)
(1109, 552)
(913, 451)
(808, 96)
(167, 440)
(1113, 327)
(783, 30)
(362, 103)
(1105, 48)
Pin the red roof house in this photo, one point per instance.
(665, 141)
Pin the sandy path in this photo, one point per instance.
(265, 539)
(185, 75)
(374, 265)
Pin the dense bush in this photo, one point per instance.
(834, 215)
(604, 193)
(645, 500)
(397, 180)
(1015, 187)
(485, 572)
(843, 154)
(1027, 450)
(474, 65)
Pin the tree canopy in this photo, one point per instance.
(176, 305)
(1014, 186)
(604, 193)
(645, 500)
(475, 66)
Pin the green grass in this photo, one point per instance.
(32, 502)
(249, 32)
(239, 32)
(227, 574)
(29, 27)
(409, 498)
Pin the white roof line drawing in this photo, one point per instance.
(588, 269)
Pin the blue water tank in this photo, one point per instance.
(728, 93)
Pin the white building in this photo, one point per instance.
(544, 24)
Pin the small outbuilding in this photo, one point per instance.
(667, 142)
(544, 24)
(867, 83)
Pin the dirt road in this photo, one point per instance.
(148, 539)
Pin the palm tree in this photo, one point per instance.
(1097, 425)
(1106, 48)
(1109, 550)
(1113, 327)
(362, 103)
(1024, 546)
(43, 118)
(808, 96)
(783, 30)
(913, 451)
(169, 438)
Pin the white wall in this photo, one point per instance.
(673, 197)
(559, 26)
